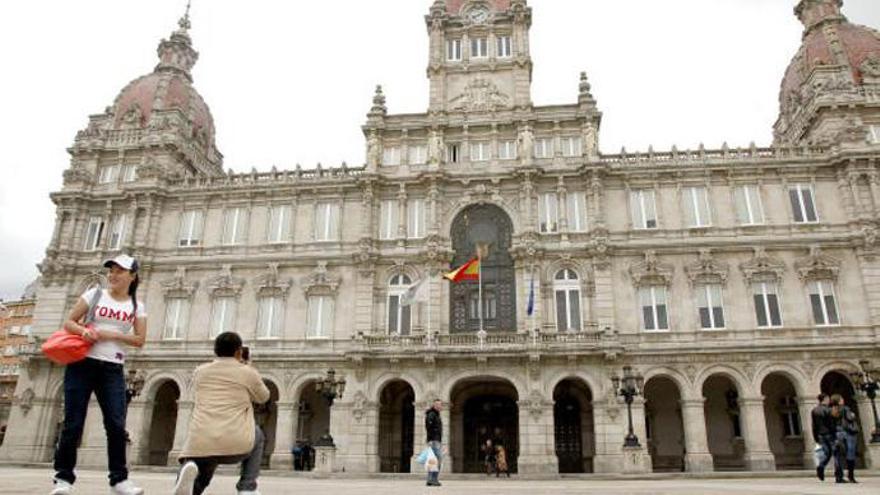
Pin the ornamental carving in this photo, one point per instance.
(706, 270)
(359, 406)
(762, 267)
(651, 271)
(535, 405)
(270, 282)
(134, 116)
(321, 282)
(225, 283)
(480, 95)
(817, 266)
(150, 169)
(77, 175)
(178, 286)
(870, 68)
(26, 400)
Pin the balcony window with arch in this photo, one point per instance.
(399, 316)
(567, 292)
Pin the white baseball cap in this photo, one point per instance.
(124, 261)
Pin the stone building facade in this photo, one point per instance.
(738, 282)
(16, 339)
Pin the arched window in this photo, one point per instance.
(399, 321)
(566, 287)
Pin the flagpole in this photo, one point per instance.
(480, 295)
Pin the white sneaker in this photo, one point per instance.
(126, 488)
(186, 478)
(62, 488)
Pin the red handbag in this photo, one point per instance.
(63, 347)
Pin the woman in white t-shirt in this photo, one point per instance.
(120, 322)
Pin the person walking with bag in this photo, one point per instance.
(434, 433)
(110, 319)
(850, 424)
(823, 433)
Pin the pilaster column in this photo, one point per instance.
(181, 430)
(138, 432)
(866, 419)
(758, 456)
(536, 437)
(697, 457)
(805, 408)
(282, 458)
(446, 418)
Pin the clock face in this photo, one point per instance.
(478, 15)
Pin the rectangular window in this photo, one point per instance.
(418, 155)
(653, 301)
(94, 230)
(453, 153)
(568, 310)
(271, 310)
(320, 324)
(823, 303)
(415, 218)
(791, 421)
(767, 310)
(749, 210)
(696, 207)
(223, 315)
(544, 148)
(326, 221)
(480, 151)
(711, 307)
(279, 224)
(644, 210)
(129, 173)
(802, 205)
(571, 146)
(548, 212)
(577, 212)
(190, 228)
(391, 156)
(176, 318)
(479, 47)
(109, 173)
(504, 47)
(117, 231)
(453, 50)
(489, 306)
(507, 150)
(874, 134)
(399, 317)
(388, 223)
(234, 226)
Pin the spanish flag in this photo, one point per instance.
(467, 271)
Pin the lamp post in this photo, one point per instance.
(330, 388)
(134, 384)
(628, 387)
(868, 381)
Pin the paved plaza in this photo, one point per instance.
(21, 481)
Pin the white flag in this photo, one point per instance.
(417, 292)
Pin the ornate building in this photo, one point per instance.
(16, 338)
(716, 275)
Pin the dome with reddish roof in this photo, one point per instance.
(829, 40)
(168, 88)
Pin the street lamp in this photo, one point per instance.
(628, 387)
(331, 389)
(868, 381)
(134, 384)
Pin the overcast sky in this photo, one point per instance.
(291, 81)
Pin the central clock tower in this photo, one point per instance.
(479, 55)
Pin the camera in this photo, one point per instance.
(245, 353)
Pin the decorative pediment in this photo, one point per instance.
(817, 266)
(270, 282)
(178, 286)
(870, 68)
(320, 282)
(706, 270)
(480, 95)
(134, 116)
(77, 175)
(762, 267)
(651, 271)
(224, 283)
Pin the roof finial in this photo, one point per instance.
(184, 21)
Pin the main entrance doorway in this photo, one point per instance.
(483, 409)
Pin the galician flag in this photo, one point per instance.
(467, 271)
(418, 292)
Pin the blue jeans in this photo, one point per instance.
(437, 447)
(250, 466)
(107, 381)
(852, 444)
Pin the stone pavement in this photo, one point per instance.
(21, 481)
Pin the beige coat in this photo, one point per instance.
(222, 420)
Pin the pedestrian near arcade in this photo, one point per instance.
(434, 433)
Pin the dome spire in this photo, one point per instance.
(177, 53)
(813, 13)
(184, 23)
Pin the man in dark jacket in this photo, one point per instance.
(823, 433)
(434, 432)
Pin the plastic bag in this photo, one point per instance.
(423, 455)
(818, 454)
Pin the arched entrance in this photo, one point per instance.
(163, 423)
(723, 423)
(573, 426)
(483, 225)
(313, 421)
(784, 427)
(396, 427)
(266, 417)
(664, 425)
(836, 382)
(483, 409)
